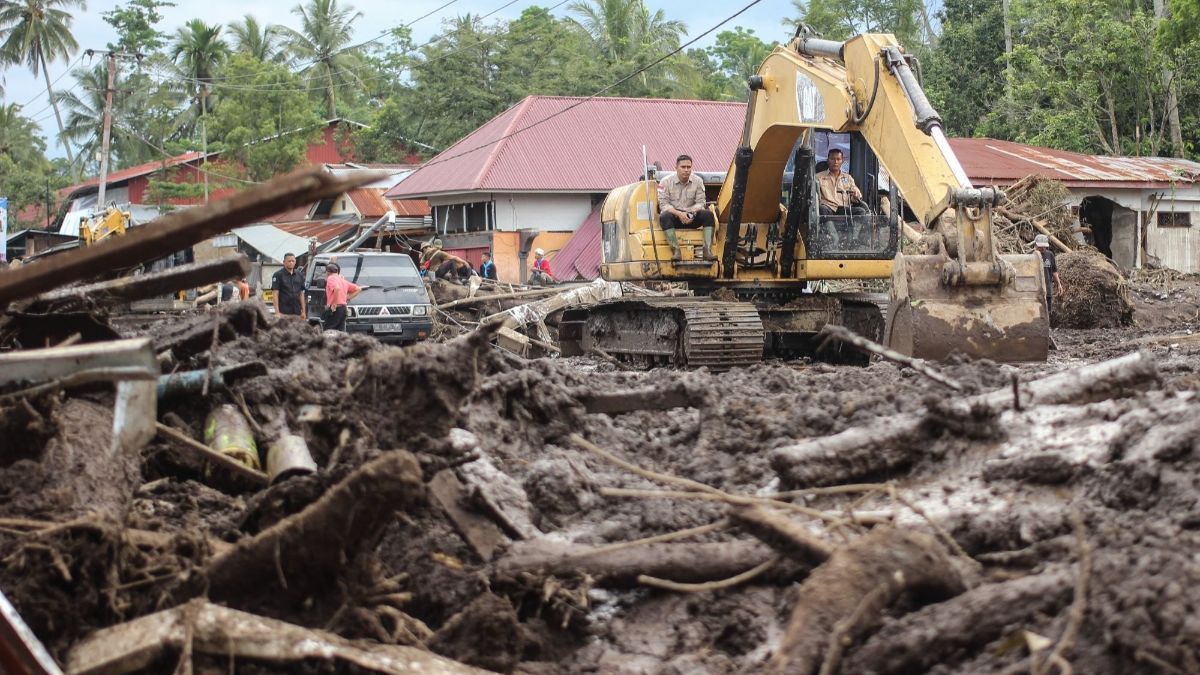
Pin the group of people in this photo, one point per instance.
(287, 297)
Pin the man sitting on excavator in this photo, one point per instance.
(681, 204)
(839, 195)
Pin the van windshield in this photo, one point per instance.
(387, 271)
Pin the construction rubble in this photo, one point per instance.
(229, 491)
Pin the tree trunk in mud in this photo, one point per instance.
(845, 596)
(894, 442)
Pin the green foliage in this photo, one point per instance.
(628, 38)
(323, 45)
(965, 75)
(264, 43)
(136, 24)
(843, 19)
(261, 108)
(25, 175)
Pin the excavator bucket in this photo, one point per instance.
(930, 320)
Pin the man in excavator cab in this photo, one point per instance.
(681, 204)
(840, 202)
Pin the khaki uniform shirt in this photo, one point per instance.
(683, 196)
(830, 186)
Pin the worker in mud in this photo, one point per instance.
(1050, 267)
(839, 196)
(541, 274)
(287, 286)
(338, 293)
(681, 204)
(487, 268)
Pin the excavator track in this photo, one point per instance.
(680, 332)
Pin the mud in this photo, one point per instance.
(1004, 489)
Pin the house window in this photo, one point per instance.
(1174, 219)
(225, 240)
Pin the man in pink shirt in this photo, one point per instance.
(338, 292)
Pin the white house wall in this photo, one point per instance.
(559, 212)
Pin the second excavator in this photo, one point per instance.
(773, 241)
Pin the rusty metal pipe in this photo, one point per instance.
(289, 456)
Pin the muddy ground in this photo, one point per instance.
(1066, 533)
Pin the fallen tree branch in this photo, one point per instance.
(844, 334)
(781, 534)
(679, 562)
(205, 628)
(869, 518)
(748, 575)
(306, 551)
(892, 442)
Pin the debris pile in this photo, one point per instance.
(1035, 205)
(1096, 295)
(461, 508)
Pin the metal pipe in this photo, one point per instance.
(287, 457)
(830, 49)
(924, 115)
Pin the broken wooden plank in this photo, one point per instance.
(501, 496)
(178, 230)
(155, 283)
(227, 633)
(656, 398)
(480, 532)
(196, 336)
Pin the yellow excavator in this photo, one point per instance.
(757, 296)
(98, 228)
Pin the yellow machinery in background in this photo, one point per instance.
(756, 296)
(98, 228)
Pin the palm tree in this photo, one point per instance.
(625, 34)
(85, 114)
(325, 31)
(19, 135)
(39, 31)
(199, 50)
(251, 37)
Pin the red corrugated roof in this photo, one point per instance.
(988, 161)
(579, 258)
(572, 144)
(323, 230)
(370, 203)
(290, 216)
(410, 208)
(139, 170)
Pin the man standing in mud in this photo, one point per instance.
(287, 289)
(1050, 267)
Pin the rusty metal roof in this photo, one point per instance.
(579, 258)
(323, 230)
(575, 144)
(989, 161)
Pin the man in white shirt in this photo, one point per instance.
(839, 195)
(681, 204)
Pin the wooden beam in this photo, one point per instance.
(155, 283)
(177, 230)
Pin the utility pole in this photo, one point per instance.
(105, 135)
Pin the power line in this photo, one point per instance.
(55, 80)
(623, 80)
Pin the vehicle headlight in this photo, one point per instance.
(350, 311)
(420, 310)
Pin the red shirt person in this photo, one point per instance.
(541, 269)
(338, 292)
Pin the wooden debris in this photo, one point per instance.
(305, 551)
(480, 532)
(125, 289)
(620, 568)
(847, 594)
(500, 496)
(201, 627)
(888, 443)
(844, 334)
(617, 402)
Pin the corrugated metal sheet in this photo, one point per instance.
(988, 161)
(135, 171)
(323, 230)
(291, 215)
(553, 143)
(369, 202)
(411, 208)
(579, 258)
(271, 241)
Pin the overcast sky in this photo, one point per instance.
(89, 28)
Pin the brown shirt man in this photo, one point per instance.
(687, 197)
(837, 190)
